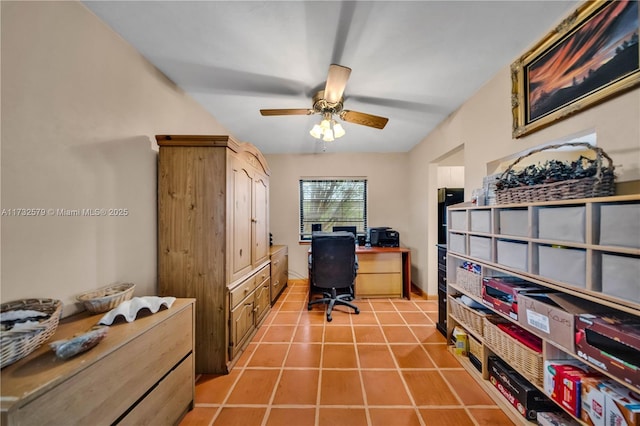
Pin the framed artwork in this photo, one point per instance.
(591, 56)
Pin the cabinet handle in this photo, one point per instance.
(276, 263)
(276, 283)
(246, 290)
(254, 220)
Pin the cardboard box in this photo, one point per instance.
(556, 419)
(501, 293)
(514, 222)
(562, 223)
(562, 382)
(612, 342)
(461, 341)
(622, 406)
(552, 315)
(592, 401)
(525, 397)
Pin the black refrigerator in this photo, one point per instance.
(446, 197)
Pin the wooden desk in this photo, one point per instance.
(382, 272)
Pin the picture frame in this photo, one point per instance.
(591, 56)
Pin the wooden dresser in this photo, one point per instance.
(279, 270)
(141, 373)
(213, 240)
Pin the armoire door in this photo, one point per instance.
(241, 229)
(260, 220)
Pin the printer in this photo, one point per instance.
(384, 237)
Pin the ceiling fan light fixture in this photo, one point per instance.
(328, 136)
(316, 132)
(338, 130)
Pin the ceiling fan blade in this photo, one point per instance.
(286, 111)
(364, 119)
(336, 82)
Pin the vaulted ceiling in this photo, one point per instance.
(414, 62)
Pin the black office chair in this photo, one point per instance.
(333, 267)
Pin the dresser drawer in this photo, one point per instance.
(262, 275)
(168, 401)
(100, 394)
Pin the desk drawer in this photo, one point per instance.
(379, 285)
(379, 263)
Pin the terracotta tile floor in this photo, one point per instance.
(387, 366)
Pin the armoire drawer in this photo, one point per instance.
(242, 290)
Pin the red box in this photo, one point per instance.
(501, 293)
(612, 342)
(562, 383)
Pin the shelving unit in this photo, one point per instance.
(587, 248)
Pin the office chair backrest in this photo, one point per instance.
(333, 259)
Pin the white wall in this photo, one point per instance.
(483, 125)
(387, 176)
(80, 108)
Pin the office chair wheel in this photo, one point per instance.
(329, 318)
(357, 311)
(309, 307)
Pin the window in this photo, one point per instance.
(332, 202)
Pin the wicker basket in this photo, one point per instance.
(469, 281)
(600, 185)
(106, 298)
(527, 361)
(475, 348)
(16, 344)
(469, 318)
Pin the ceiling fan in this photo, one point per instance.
(329, 102)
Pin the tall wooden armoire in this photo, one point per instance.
(213, 240)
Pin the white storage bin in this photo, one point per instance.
(480, 247)
(562, 223)
(481, 221)
(458, 221)
(620, 225)
(512, 254)
(457, 243)
(514, 222)
(621, 276)
(563, 264)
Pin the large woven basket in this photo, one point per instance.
(600, 185)
(470, 318)
(16, 344)
(528, 362)
(469, 281)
